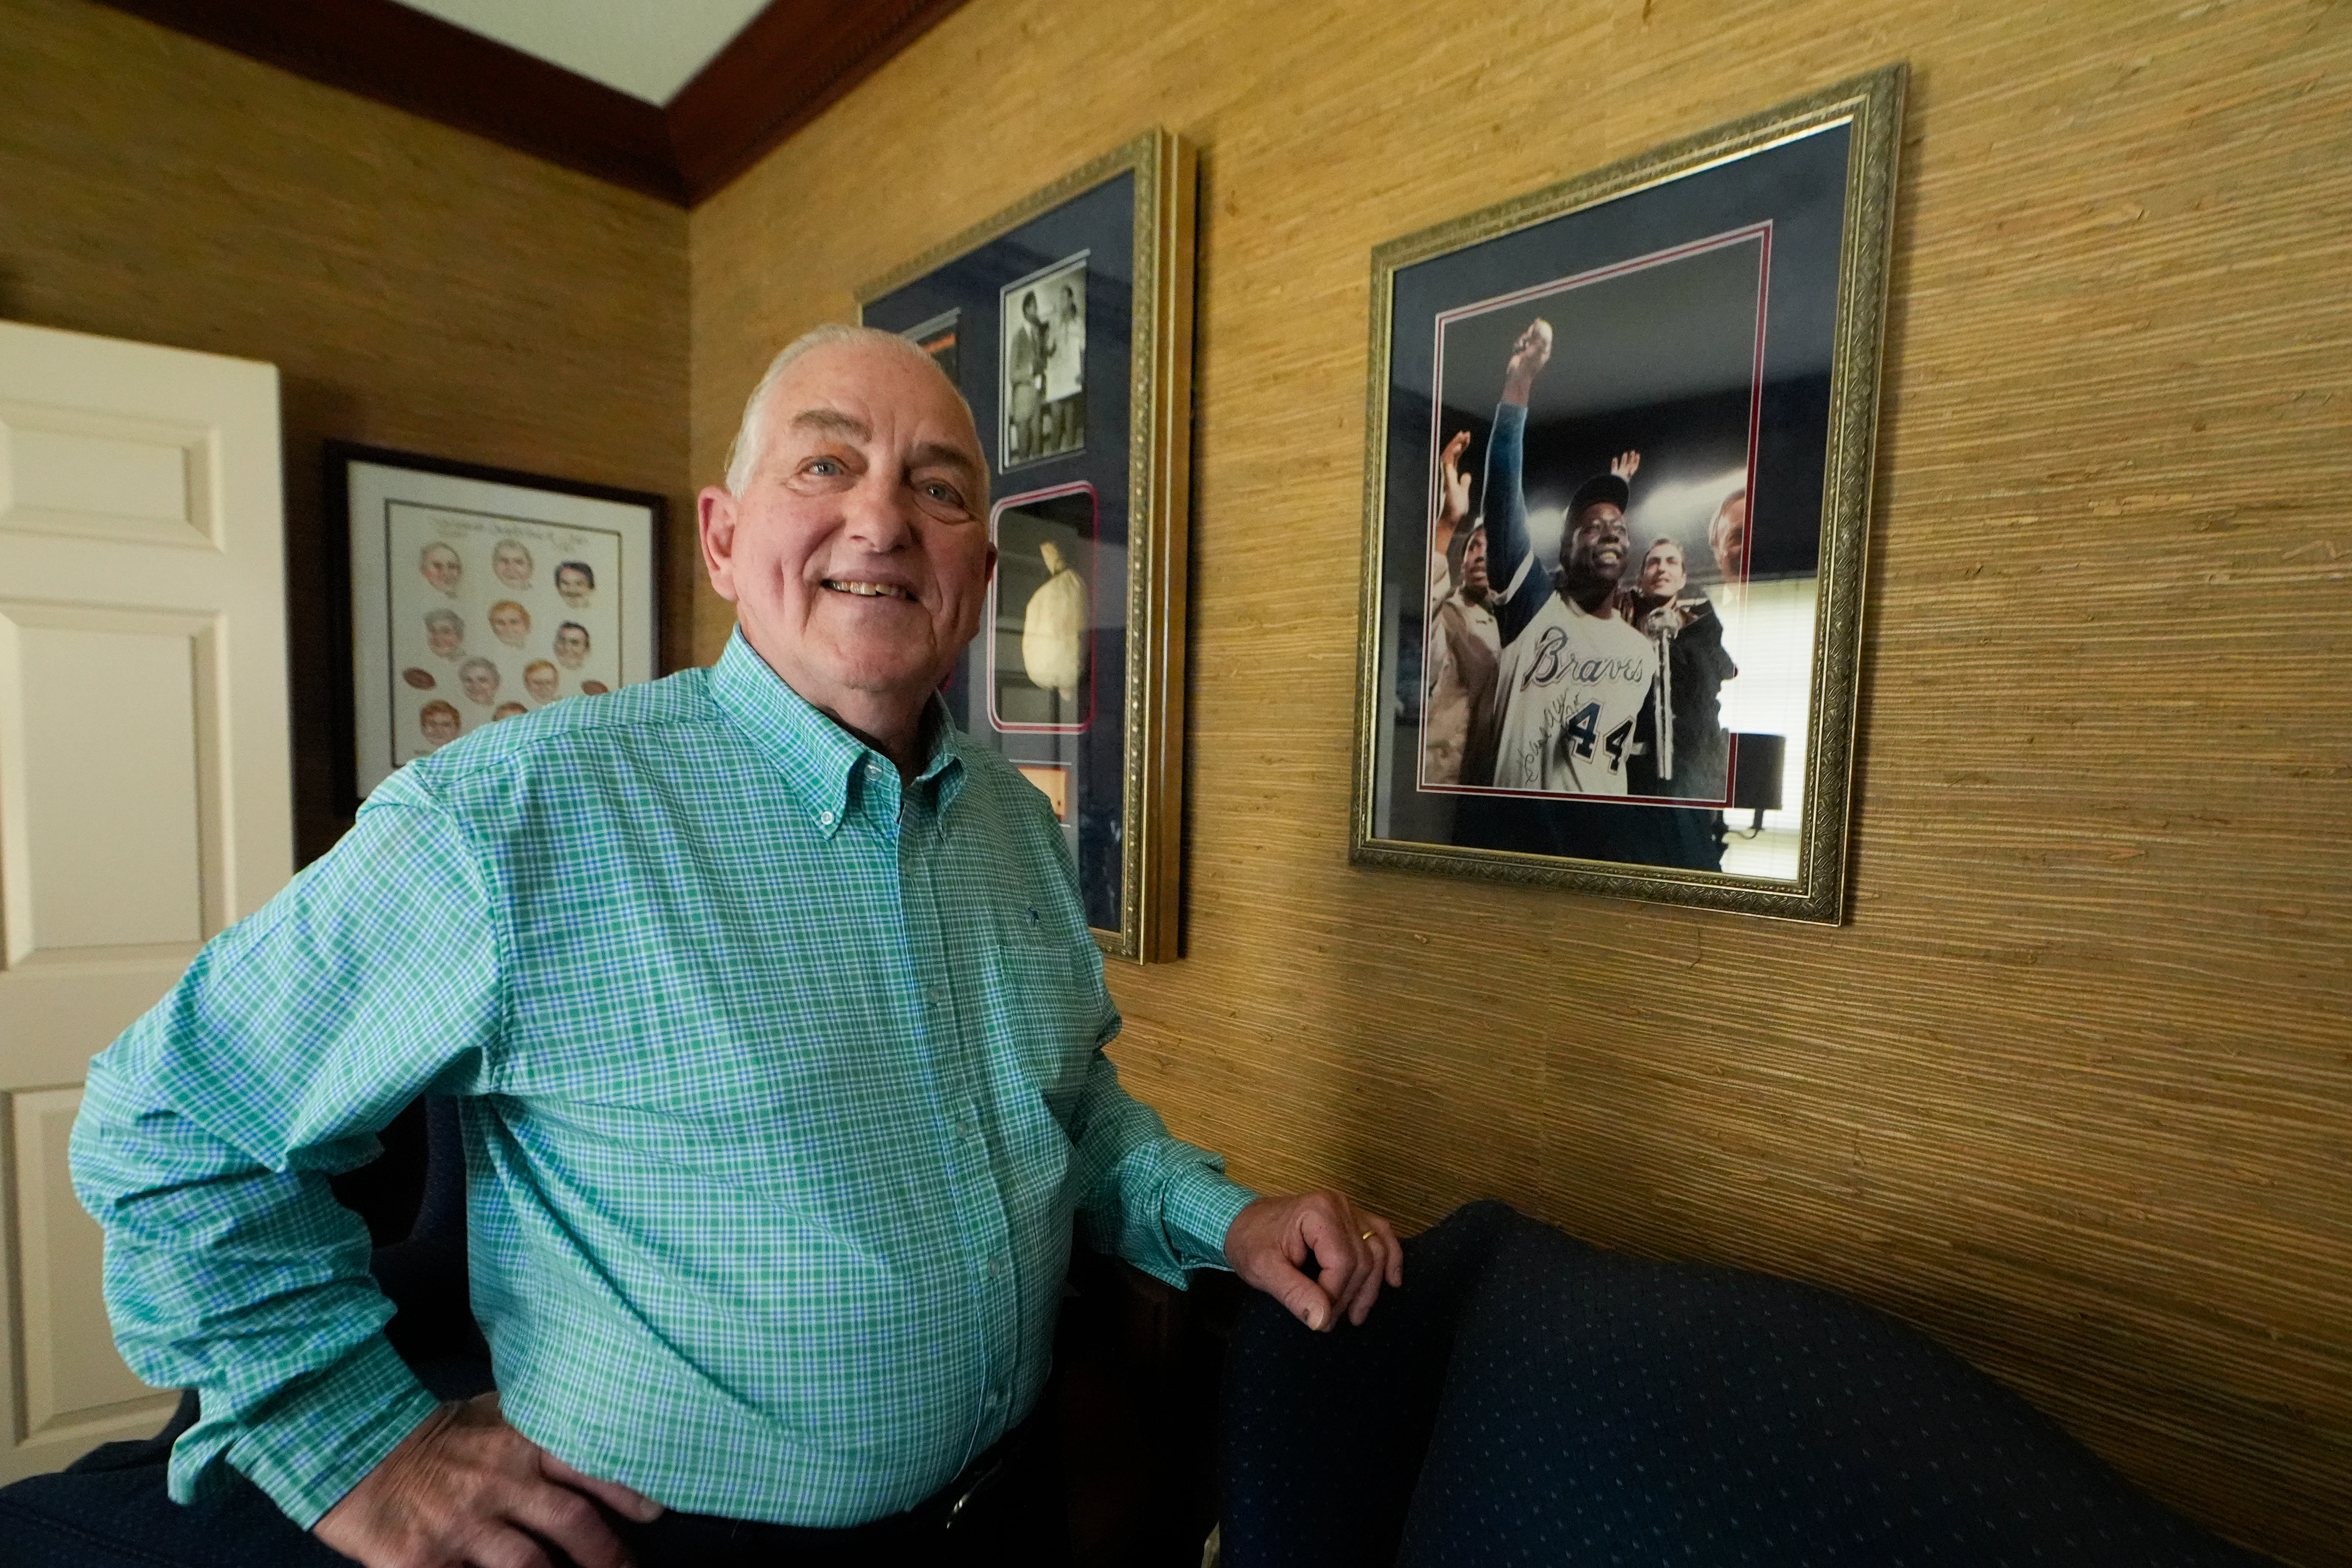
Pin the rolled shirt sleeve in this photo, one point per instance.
(207, 1133)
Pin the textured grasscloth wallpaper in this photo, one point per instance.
(2073, 1088)
(416, 287)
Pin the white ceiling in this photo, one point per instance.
(647, 49)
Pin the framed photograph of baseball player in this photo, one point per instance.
(1066, 323)
(1616, 502)
(480, 594)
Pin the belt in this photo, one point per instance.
(689, 1537)
(949, 1506)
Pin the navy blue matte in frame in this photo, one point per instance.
(1100, 222)
(1799, 187)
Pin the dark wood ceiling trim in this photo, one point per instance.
(419, 63)
(789, 63)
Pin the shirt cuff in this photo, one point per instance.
(1199, 1208)
(317, 1439)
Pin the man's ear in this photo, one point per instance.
(715, 516)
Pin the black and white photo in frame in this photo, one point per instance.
(1043, 361)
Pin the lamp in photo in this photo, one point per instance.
(1756, 776)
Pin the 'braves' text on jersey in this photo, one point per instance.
(1572, 686)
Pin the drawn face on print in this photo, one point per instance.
(445, 633)
(539, 678)
(576, 583)
(442, 569)
(479, 677)
(512, 563)
(572, 645)
(438, 721)
(510, 623)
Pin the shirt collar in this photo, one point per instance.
(821, 763)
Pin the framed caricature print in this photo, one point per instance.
(478, 594)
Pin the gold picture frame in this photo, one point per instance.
(1066, 323)
(1721, 303)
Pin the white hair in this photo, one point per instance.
(743, 454)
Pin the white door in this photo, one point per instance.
(145, 793)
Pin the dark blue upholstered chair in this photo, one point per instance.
(1529, 1399)
(108, 1509)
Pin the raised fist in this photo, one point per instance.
(1528, 356)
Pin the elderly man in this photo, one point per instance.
(776, 1031)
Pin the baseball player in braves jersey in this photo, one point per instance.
(1575, 680)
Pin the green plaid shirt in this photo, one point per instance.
(780, 1086)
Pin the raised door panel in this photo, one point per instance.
(110, 828)
(145, 799)
(94, 475)
(77, 1391)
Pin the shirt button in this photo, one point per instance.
(825, 819)
(996, 1268)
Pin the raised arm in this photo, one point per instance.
(1521, 585)
(1453, 489)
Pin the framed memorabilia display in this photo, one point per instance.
(1617, 494)
(1066, 323)
(478, 595)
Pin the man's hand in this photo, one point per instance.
(1355, 1251)
(1626, 464)
(1528, 355)
(467, 1490)
(1454, 494)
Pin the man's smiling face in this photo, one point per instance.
(1594, 549)
(858, 556)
